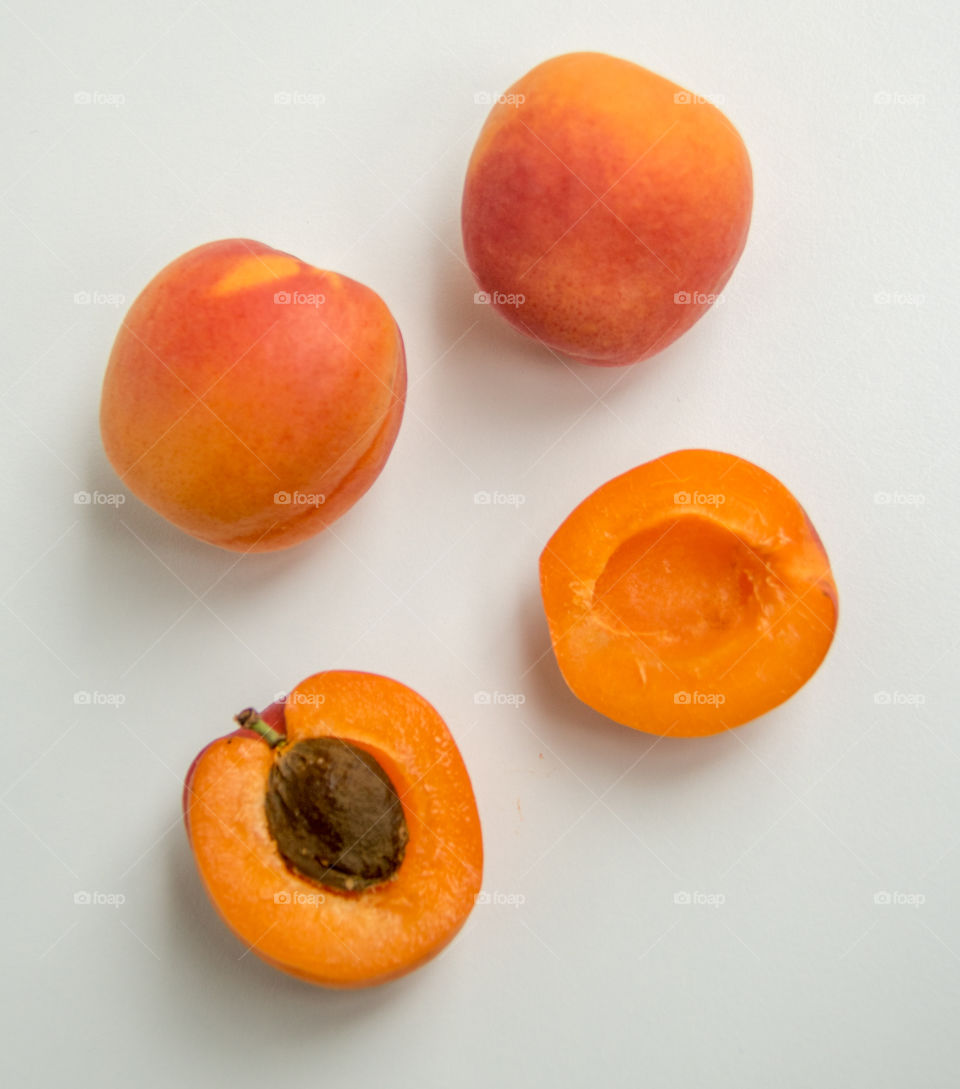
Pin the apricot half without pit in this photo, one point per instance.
(688, 595)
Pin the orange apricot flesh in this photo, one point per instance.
(326, 936)
(688, 595)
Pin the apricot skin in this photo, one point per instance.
(250, 398)
(688, 595)
(613, 202)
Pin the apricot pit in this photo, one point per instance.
(335, 814)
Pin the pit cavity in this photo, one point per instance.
(685, 581)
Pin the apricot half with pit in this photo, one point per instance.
(604, 207)
(251, 398)
(337, 832)
(688, 595)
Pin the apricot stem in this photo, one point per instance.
(249, 719)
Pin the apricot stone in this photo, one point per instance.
(251, 398)
(604, 207)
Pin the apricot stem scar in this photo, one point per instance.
(249, 719)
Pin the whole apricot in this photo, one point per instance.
(251, 398)
(604, 207)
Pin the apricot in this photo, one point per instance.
(604, 207)
(337, 833)
(250, 398)
(688, 595)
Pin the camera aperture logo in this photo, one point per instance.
(697, 298)
(99, 699)
(500, 899)
(99, 899)
(299, 98)
(311, 899)
(899, 98)
(688, 98)
(699, 699)
(499, 499)
(99, 499)
(899, 899)
(299, 298)
(704, 899)
(98, 98)
(499, 298)
(899, 699)
(699, 499)
(899, 298)
(299, 499)
(899, 499)
(499, 699)
(486, 98)
(301, 699)
(99, 298)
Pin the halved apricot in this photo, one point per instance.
(338, 836)
(688, 595)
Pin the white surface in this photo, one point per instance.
(798, 820)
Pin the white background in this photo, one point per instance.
(831, 362)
